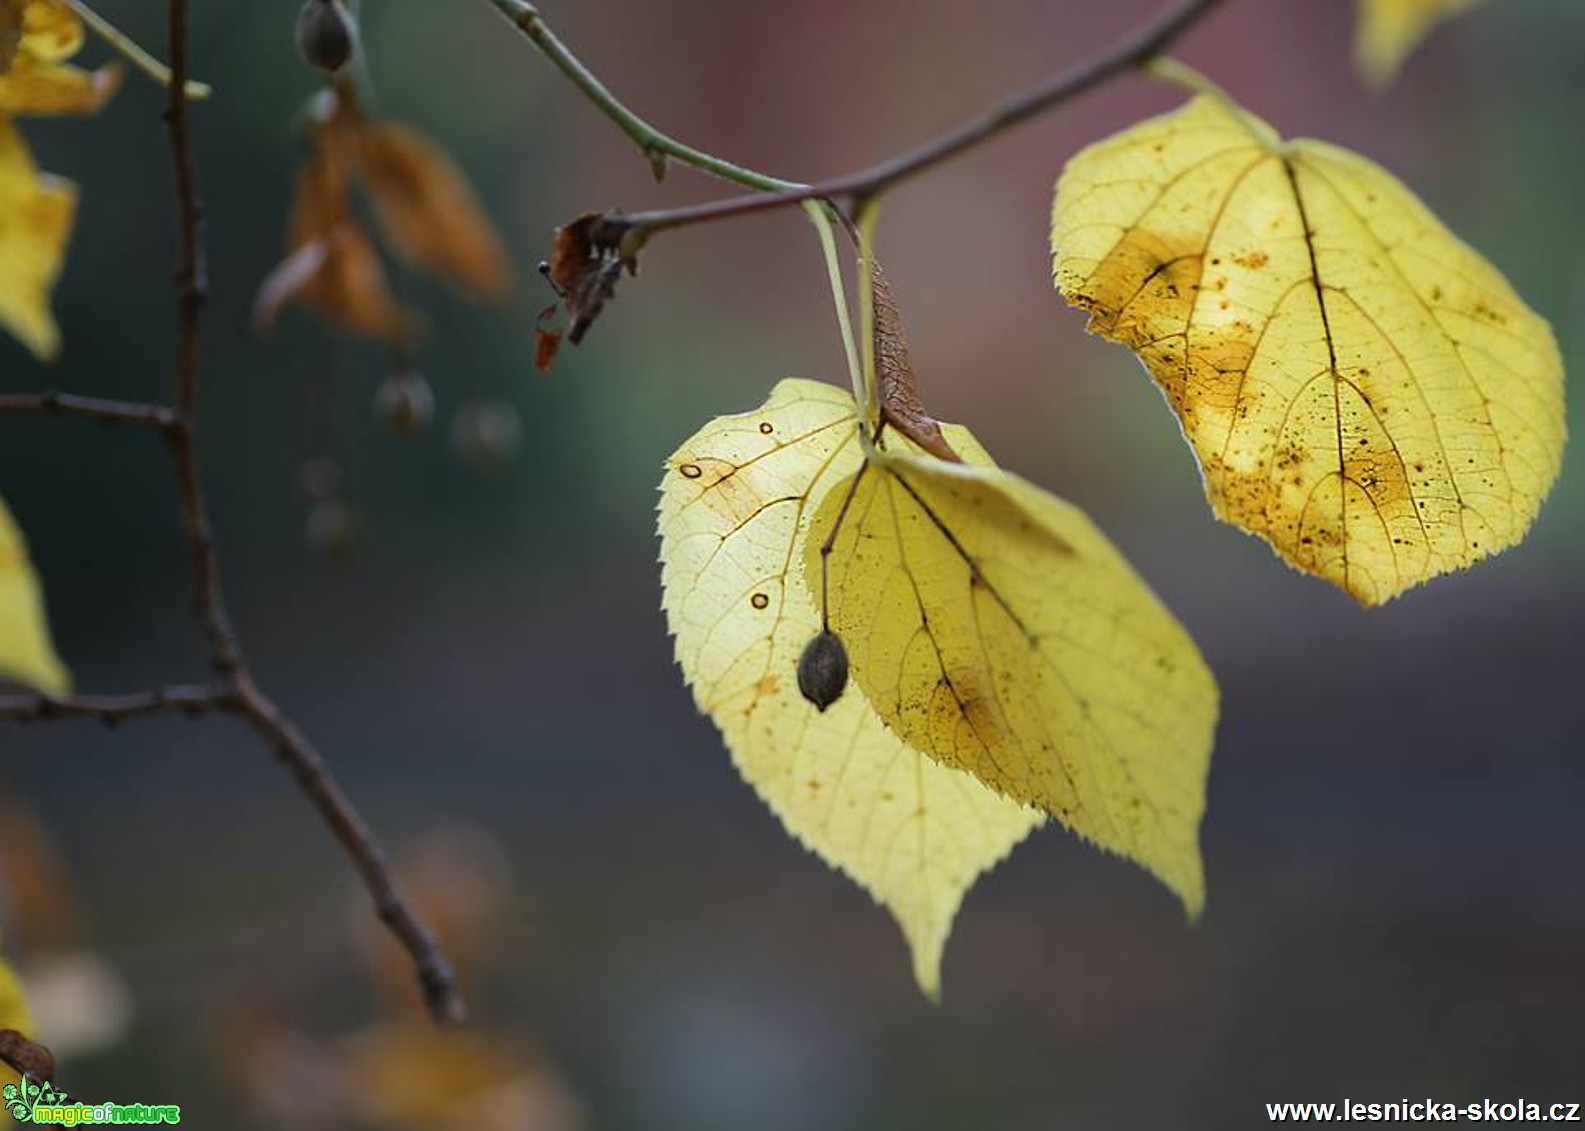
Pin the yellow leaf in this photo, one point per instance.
(1362, 389)
(736, 506)
(36, 214)
(35, 79)
(1386, 32)
(51, 31)
(14, 1014)
(26, 652)
(53, 89)
(992, 626)
(428, 211)
(13, 1002)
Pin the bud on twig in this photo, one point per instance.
(327, 35)
(404, 403)
(487, 434)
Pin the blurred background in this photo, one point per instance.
(1394, 837)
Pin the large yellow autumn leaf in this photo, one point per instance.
(1386, 31)
(1362, 389)
(26, 652)
(736, 505)
(991, 625)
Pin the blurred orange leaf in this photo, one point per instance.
(332, 266)
(428, 212)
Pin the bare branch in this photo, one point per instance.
(192, 288)
(241, 697)
(1134, 50)
(134, 413)
(113, 709)
(244, 697)
(320, 787)
(655, 145)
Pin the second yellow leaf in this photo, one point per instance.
(1363, 390)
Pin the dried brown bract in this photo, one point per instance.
(895, 381)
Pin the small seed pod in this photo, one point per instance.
(321, 478)
(823, 670)
(333, 530)
(487, 434)
(404, 403)
(327, 35)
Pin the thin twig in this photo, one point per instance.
(1135, 49)
(241, 697)
(191, 701)
(89, 408)
(244, 697)
(192, 289)
(655, 145)
(313, 776)
(236, 692)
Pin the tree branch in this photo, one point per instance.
(655, 145)
(243, 696)
(1135, 49)
(113, 709)
(313, 776)
(89, 408)
(235, 692)
(192, 288)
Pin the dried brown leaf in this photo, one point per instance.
(351, 290)
(287, 282)
(428, 212)
(583, 272)
(332, 265)
(547, 344)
